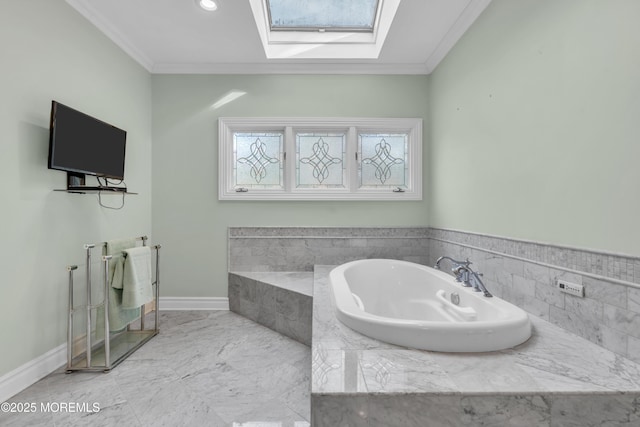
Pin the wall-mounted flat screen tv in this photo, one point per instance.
(81, 144)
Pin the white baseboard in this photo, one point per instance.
(194, 303)
(23, 376)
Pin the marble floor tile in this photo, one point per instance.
(203, 369)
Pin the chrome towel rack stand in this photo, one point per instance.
(104, 355)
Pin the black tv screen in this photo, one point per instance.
(81, 144)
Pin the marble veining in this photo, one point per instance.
(525, 274)
(357, 380)
(203, 369)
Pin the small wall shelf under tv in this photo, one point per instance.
(76, 184)
(92, 190)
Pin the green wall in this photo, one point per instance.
(189, 220)
(535, 125)
(51, 52)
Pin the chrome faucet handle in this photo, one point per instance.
(458, 270)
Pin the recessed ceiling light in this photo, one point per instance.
(209, 5)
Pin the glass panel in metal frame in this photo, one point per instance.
(383, 160)
(320, 160)
(257, 159)
(328, 15)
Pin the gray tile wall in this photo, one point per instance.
(525, 273)
(277, 308)
(300, 248)
(522, 272)
(410, 409)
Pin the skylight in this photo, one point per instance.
(323, 29)
(322, 15)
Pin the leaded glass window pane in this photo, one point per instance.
(330, 15)
(320, 160)
(383, 160)
(258, 159)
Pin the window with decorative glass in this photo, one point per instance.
(320, 158)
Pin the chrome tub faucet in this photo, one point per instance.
(465, 275)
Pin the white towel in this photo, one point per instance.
(136, 282)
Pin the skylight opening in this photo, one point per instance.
(323, 15)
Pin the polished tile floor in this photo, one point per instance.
(203, 369)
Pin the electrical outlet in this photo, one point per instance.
(570, 288)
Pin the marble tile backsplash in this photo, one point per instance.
(525, 273)
(300, 248)
(522, 272)
(613, 266)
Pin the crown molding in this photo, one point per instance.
(290, 68)
(283, 66)
(111, 32)
(462, 24)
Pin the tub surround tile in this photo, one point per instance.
(605, 316)
(615, 266)
(357, 380)
(596, 411)
(540, 377)
(416, 410)
(615, 340)
(536, 307)
(608, 293)
(633, 300)
(333, 370)
(552, 350)
(634, 349)
(336, 411)
(288, 249)
(281, 301)
(298, 329)
(327, 232)
(524, 286)
(401, 371)
(622, 320)
(300, 282)
(506, 411)
(481, 373)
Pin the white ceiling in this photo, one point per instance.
(176, 36)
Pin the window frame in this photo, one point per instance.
(289, 125)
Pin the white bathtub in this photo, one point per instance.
(410, 305)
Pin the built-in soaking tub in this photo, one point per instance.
(411, 305)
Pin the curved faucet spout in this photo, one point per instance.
(463, 263)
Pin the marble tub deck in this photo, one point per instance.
(554, 379)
